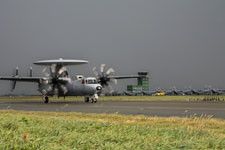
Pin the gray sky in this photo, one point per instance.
(180, 42)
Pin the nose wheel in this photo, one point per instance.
(93, 99)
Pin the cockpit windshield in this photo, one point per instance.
(91, 81)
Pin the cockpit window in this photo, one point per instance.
(91, 81)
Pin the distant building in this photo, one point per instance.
(142, 83)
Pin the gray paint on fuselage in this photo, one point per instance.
(75, 88)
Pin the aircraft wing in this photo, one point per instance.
(23, 79)
(126, 77)
(103, 80)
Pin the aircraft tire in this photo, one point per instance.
(93, 100)
(86, 99)
(46, 100)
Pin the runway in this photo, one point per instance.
(149, 108)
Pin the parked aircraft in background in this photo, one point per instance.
(211, 91)
(136, 93)
(149, 93)
(161, 93)
(170, 92)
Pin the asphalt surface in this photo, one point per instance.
(150, 108)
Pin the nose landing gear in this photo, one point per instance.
(93, 99)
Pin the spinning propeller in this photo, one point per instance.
(104, 77)
(55, 80)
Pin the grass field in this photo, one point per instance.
(127, 98)
(64, 131)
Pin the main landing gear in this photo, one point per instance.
(45, 99)
(92, 99)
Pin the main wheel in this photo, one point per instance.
(86, 99)
(46, 100)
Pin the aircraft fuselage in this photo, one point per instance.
(73, 88)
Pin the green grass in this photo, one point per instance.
(125, 98)
(64, 131)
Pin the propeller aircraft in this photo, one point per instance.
(58, 83)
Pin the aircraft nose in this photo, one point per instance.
(98, 88)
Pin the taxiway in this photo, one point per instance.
(149, 108)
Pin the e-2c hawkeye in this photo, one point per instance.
(58, 83)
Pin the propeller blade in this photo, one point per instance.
(109, 71)
(63, 69)
(64, 89)
(110, 89)
(53, 68)
(45, 72)
(44, 92)
(103, 78)
(53, 71)
(115, 81)
(17, 71)
(102, 68)
(95, 72)
(49, 88)
(31, 71)
(56, 92)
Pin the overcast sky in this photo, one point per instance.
(179, 42)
